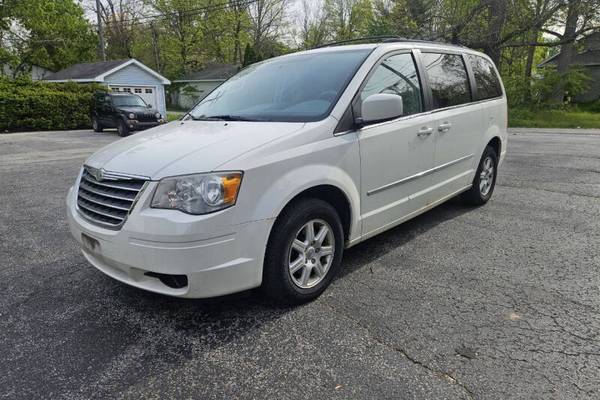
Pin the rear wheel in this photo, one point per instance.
(304, 252)
(485, 179)
(96, 125)
(122, 128)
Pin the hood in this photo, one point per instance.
(189, 147)
(137, 110)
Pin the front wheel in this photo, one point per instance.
(96, 125)
(485, 179)
(122, 128)
(304, 252)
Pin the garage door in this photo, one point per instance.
(148, 93)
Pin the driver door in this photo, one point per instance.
(395, 154)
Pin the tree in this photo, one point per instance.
(268, 22)
(49, 34)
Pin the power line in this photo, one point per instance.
(184, 13)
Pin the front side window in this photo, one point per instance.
(397, 75)
(296, 88)
(486, 79)
(448, 79)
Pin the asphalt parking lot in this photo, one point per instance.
(496, 302)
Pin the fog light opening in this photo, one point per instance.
(172, 281)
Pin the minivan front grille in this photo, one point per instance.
(106, 199)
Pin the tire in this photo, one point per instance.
(122, 128)
(96, 125)
(485, 179)
(314, 269)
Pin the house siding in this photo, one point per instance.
(133, 75)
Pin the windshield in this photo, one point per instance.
(128, 101)
(297, 88)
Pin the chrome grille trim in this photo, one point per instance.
(107, 201)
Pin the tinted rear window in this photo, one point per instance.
(486, 79)
(447, 78)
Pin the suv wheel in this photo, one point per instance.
(485, 179)
(122, 128)
(304, 252)
(96, 125)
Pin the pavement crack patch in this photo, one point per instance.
(447, 377)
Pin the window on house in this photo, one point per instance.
(138, 90)
(148, 90)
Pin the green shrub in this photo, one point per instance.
(28, 105)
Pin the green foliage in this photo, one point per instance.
(538, 92)
(573, 82)
(569, 117)
(52, 34)
(29, 105)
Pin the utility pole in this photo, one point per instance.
(100, 33)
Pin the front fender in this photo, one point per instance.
(305, 178)
(282, 174)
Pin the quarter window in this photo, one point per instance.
(397, 75)
(486, 79)
(447, 78)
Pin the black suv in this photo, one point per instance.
(125, 111)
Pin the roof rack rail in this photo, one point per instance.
(382, 39)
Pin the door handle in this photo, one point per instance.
(445, 127)
(424, 131)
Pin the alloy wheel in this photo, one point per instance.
(486, 177)
(311, 253)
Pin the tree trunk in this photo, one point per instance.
(567, 50)
(497, 9)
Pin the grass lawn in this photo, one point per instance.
(174, 115)
(523, 118)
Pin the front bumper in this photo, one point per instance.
(215, 258)
(140, 126)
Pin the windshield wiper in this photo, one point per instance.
(225, 117)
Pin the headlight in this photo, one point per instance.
(157, 115)
(131, 116)
(198, 194)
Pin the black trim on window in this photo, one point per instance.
(426, 77)
(355, 103)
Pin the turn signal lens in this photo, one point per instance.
(231, 186)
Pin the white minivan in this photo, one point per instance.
(268, 179)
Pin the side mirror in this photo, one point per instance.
(380, 107)
(148, 105)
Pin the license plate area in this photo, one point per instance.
(89, 243)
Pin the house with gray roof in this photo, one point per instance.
(195, 86)
(589, 60)
(123, 76)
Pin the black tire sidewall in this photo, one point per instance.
(122, 128)
(96, 125)
(277, 282)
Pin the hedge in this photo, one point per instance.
(36, 105)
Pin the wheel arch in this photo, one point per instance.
(496, 143)
(331, 194)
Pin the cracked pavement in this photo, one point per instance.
(496, 302)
